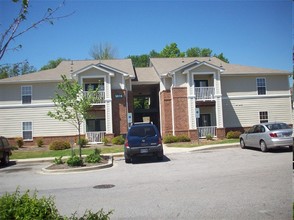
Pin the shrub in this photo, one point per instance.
(58, 160)
(105, 141)
(27, 207)
(74, 161)
(83, 142)
(17, 206)
(40, 142)
(209, 137)
(118, 140)
(59, 145)
(19, 142)
(170, 139)
(233, 134)
(94, 157)
(183, 138)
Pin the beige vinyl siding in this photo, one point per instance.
(245, 112)
(41, 93)
(240, 85)
(11, 122)
(180, 80)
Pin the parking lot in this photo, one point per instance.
(226, 183)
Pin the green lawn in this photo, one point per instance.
(203, 143)
(22, 154)
(37, 153)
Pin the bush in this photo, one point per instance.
(59, 145)
(27, 207)
(94, 157)
(183, 138)
(17, 206)
(170, 139)
(105, 141)
(118, 140)
(40, 142)
(233, 134)
(209, 137)
(19, 142)
(83, 142)
(58, 160)
(74, 161)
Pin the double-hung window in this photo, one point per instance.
(26, 94)
(261, 86)
(263, 117)
(27, 130)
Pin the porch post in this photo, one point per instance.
(108, 106)
(218, 101)
(191, 101)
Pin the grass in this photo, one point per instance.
(26, 154)
(202, 143)
(18, 154)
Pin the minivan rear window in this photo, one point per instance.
(142, 131)
(277, 126)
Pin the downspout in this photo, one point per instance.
(172, 105)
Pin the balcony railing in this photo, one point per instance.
(95, 136)
(204, 93)
(97, 97)
(204, 131)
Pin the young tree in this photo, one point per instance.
(13, 31)
(71, 105)
(171, 50)
(10, 70)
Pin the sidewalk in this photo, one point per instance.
(167, 151)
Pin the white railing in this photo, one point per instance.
(97, 97)
(204, 93)
(95, 136)
(204, 131)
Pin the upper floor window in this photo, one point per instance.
(261, 86)
(26, 94)
(201, 83)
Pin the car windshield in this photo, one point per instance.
(142, 131)
(277, 126)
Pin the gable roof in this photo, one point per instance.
(163, 66)
(146, 75)
(69, 67)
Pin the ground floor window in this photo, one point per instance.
(27, 130)
(263, 117)
(95, 125)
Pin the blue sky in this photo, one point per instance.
(255, 33)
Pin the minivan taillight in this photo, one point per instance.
(126, 143)
(273, 135)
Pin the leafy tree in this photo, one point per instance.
(198, 52)
(171, 50)
(222, 57)
(154, 54)
(52, 64)
(139, 60)
(103, 51)
(13, 31)
(71, 105)
(10, 70)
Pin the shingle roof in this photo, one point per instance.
(166, 65)
(146, 75)
(68, 67)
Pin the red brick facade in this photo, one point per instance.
(119, 110)
(166, 114)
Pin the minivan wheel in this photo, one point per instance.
(263, 146)
(128, 159)
(290, 148)
(5, 159)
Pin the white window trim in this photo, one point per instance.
(264, 85)
(23, 95)
(23, 131)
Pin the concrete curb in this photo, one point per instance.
(78, 169)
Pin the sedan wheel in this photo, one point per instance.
(242, 143)
(263, 146)
(5, 160)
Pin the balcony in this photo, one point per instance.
(95, 136)
(204, 93)
(97, 97)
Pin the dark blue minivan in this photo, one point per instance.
(143, 139)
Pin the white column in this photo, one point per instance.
(218, 101)
(108, 106)
(191, 101)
